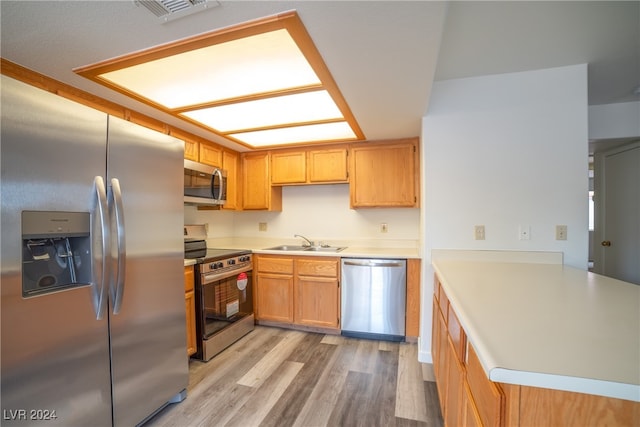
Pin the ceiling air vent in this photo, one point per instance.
(169, 10)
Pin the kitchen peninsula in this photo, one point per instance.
(534, 343)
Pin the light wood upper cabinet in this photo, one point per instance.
(288, 167)
(329, 165)
(312, 166)
(230, 165)
(210, 155)
(191, 150)
(257, 192)
(384, 174)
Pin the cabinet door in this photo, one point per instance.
(257, 193)
(210, 155)
(383, 176)
(487, 395)
(288, 167)
(317, 302)
(191, 150)
(274, 297)
(455, 383)
(190, 307)
(328, 165)
(230, 165)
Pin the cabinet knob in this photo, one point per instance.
(606, 243)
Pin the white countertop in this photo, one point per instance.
(361, 249)
(548, 325)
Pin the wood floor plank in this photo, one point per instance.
(256, 408)
(365, 358)
(286, 411)
(351, 404)
(323, 398)
(272, 360)
(433, 404)
(427, 372)
(307, 380)
(410, 401)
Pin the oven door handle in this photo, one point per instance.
(208, 279)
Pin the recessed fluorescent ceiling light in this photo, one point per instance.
(261, 84)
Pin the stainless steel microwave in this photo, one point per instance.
(204, 184)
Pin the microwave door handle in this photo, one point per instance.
(217, 173)
(118, 282)
(100, 287)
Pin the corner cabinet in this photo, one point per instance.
(384, 174)
(190, 306)
(298, 291)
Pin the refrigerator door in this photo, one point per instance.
(54, 351)
(148, 334)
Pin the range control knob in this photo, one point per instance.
(219, 264)
(245, 258)
(231, 262)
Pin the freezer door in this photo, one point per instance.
(54, 350)
(148, 333)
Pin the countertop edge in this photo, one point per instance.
(565, 383)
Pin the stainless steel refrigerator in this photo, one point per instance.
(93, 313)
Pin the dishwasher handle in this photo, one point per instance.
(374, 263)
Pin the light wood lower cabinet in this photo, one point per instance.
(298, 290)
(469, 398)
(190, 306)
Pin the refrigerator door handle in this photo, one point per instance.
(100, 293)
(117, 284)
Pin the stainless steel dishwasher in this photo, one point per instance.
(374, 298)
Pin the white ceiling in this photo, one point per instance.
(384, 55)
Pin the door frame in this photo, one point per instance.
(600, 173)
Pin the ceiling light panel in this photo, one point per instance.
(248, 82)
(258, 64)
(298, 108)
(325, 132)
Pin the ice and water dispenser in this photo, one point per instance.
(56, 251)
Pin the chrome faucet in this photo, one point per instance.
(308, 241)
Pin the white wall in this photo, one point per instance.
(503, 151)
(320, 212)
(612, 121)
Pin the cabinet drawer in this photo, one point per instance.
(488, 397)
(322, 268)
(443, 302)
(456, 333)
(275, 265)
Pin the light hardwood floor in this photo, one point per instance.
(279, 377)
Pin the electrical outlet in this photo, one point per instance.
(262, 226)
(524, 232)
(383, 227)
(561, 232)
(478, 232)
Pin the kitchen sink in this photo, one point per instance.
(306, 248)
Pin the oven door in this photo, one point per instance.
(224, 302)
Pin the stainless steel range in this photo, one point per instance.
(224, 296)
